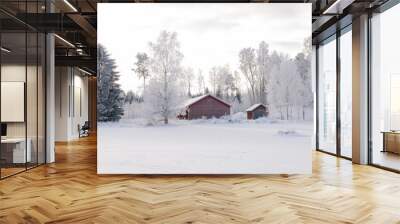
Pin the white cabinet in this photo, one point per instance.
(19, 155)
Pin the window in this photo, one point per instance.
(385, 89)
(327, 96)
(346, 93)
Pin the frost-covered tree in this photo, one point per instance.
(237, 82)
(142, 68)
(305, 96)
(110, 97)
(237, 79)
(263, 68)
(163, 90)
(303, 63)
(236, 99)
(188, 76)
(275, 59)
(200, 83)
(248, 66)
(277, 80)
(161, 102)
(129, 97)
(206, 91)
(225, 82)
(213, 78)
(284, 87)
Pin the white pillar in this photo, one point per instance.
(360, 90)
(50, 99)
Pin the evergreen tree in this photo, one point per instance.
(110, 97)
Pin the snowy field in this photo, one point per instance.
(205, 147)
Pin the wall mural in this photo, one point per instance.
(204, 88)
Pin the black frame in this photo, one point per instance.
(387, 5)
(30, 29)
(339, 32)
(326, 40)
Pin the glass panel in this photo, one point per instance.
(31, 98)
(386, 89)
(23, 90)
(13, 87)
(314, 85)
(41, 99)
(327, 96)
(346, 93)
(31, 88)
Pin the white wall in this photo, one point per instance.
(71, 87)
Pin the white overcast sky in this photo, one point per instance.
(210, 34)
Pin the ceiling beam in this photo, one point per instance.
(338, 6)
(86, 27)
(77, 61)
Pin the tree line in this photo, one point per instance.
(271, 78)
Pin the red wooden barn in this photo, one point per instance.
(206, 106)
(256, 111)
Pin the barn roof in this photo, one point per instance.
(255, 106)
(194, 100)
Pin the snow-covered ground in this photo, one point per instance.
(216, 146)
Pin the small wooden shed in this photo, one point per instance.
(206, 106)
(256, 111)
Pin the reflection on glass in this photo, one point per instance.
(22, 91)
(346, 94)
(327, 96)
(385, 114)
(394, 102)
(31, 101)
(13, 85)
(41, 98)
